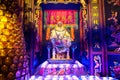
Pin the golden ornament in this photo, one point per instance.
(4, 68)
(3, 38)
(1, 25)
(2, 53)
(4, 19)
(8, 61)
(1, 45)
(9, 26)
(7, 14)
(1, 12)
(6, 32)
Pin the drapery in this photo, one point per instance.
(65, 16)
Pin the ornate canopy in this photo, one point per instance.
(83, 2)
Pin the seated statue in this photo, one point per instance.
(61, 41)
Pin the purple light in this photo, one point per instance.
(49, 66)
(75, 66)
(110, 78)
(70, 77)
(75, 77)
(55, 78)
(40, 78)
(79, 64)
(61, 66)
(67, 65)
(32, 78)
(49, 76)
(105, 78)
(54, 65)
(44, 64)
(67, 75)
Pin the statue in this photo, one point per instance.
(97, 67)
(61, 41)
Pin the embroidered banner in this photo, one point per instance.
(65, 16)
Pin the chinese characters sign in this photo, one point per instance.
(65, 16)
(95, 12)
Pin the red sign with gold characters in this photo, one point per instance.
(65, 16)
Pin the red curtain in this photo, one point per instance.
(65, 16)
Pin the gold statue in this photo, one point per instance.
(61, 41)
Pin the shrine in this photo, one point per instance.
(59, 39)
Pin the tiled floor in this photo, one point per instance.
(70, 77)
(64, 70)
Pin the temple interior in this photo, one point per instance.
(59, 39)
